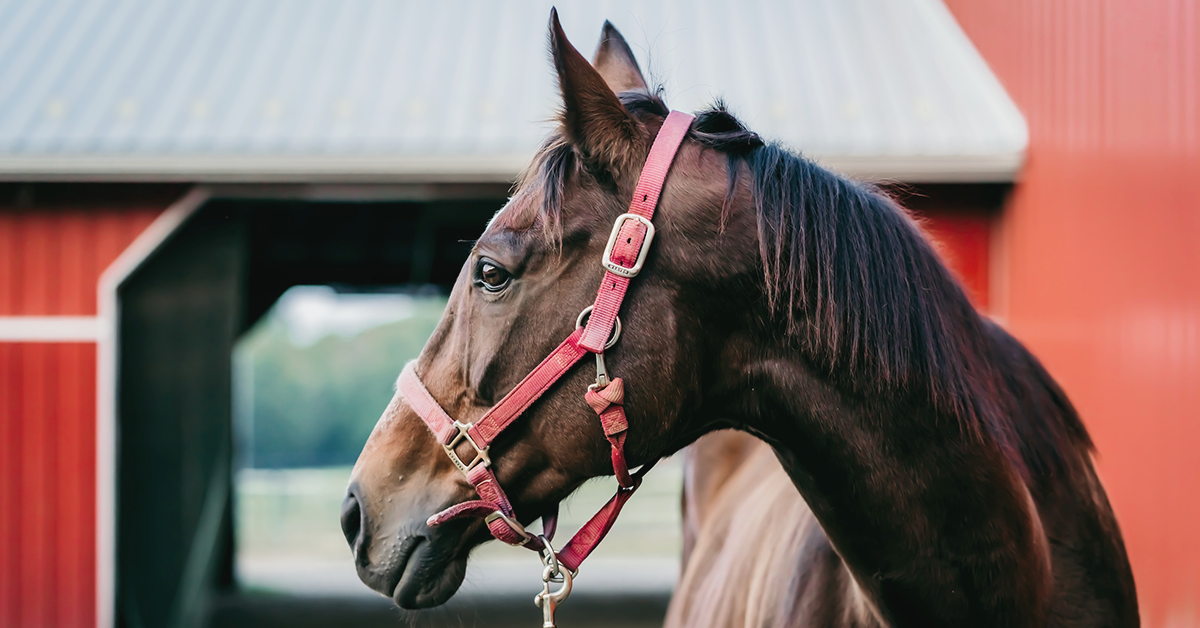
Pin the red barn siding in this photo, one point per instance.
(47, 484)
(51, 260)
(53, 248)
(1099, 252)
(963, 239)
(959, 219)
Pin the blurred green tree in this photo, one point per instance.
(314, 404)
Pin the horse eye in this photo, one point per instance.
(490, 276)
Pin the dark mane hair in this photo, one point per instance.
(853, 281)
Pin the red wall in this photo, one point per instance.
(52, 252)
(959, 219)
(1097, 263)
(51, 256)
(963, 239)
(47, 484)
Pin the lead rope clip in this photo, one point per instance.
(601, 373)
(601, 370)
(552, 572)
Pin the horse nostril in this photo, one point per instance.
(351, 519)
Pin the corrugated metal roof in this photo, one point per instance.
(462, 89)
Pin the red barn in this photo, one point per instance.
(1097, 267)
(171, 168)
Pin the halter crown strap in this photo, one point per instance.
(624, 257)
(629, 235)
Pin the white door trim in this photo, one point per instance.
(49, 328)
(111, 279)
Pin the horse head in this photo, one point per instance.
(522, 290)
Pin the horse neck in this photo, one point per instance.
(927, 515)
(928, 511)
(909, 425)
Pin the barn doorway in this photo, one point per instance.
(309, 381)
(181, 314)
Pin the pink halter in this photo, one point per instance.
(623, 258)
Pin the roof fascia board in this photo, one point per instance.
(438, 169)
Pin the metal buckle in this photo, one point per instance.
(601, 370)
(481, 454)
(516, 527)
(607, 260)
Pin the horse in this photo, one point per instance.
(940, 476)
(738, 559)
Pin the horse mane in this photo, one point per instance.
(856, 285)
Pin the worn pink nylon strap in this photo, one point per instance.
(473, 508)
(645, 199)
(486, 428)
(480, 508)
(528, 390)
(589, 536)
(607, 401)
(488, 487)
(424, 404)
(503, 413)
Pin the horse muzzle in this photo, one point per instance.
(397, 554)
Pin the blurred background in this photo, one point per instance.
(226, 225)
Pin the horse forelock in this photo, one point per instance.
(536, 203)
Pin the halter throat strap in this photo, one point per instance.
(624, 256)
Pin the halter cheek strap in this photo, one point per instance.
(628, 245)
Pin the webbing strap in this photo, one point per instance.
(632, 233)
(528, 390)
(589, 536)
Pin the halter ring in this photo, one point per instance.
(616, 334)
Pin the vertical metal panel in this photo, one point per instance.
(51, 259)
(52, 251)
(1100, 251)
(174, 421)
(47, 503)
(963, 239)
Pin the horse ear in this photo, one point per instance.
(593, 118)
(614, 60)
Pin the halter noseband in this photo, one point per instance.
(623, 258)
